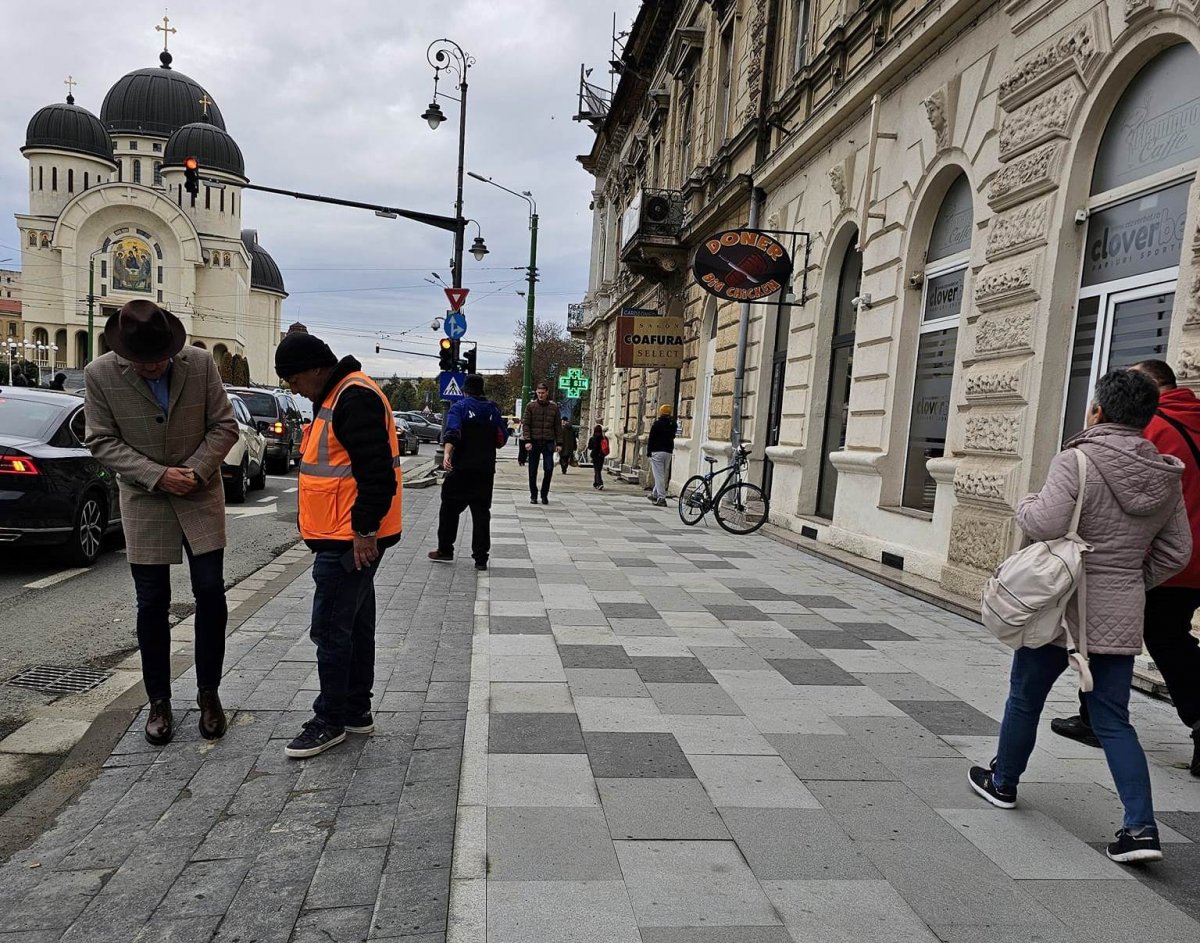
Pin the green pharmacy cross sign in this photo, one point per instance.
(574, 383)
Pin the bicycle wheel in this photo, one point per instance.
(693, 501)
(741, 508)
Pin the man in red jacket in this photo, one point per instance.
(1175, 430)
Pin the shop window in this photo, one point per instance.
(841, 370)
(937, 343)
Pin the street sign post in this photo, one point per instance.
(457, 297)
(450, 385)
(455, 325)
(573, 383)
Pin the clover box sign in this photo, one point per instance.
(741, 265)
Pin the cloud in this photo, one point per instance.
(326, 98)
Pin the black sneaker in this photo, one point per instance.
(533, 499)
(981, 781)
(1133, 849)
(481, 565)
(317, 737)
(1195, 767)
(363, 723)
(1073, 728)
(545, 500)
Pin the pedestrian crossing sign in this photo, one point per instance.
(450, 384)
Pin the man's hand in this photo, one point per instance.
(528, 446)
(558, 448)
(179, 481)
(446, 463)
(366, 551)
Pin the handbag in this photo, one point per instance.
(1024, 603)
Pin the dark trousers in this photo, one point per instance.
(343, 629)
(152, 585)
(545, 452)
(461, 490)
(1176, 653)
(598, 465)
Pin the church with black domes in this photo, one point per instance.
(107, 202)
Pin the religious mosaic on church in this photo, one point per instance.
(131, 265)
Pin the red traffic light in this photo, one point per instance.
(190, 163)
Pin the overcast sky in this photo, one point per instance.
(326, 98)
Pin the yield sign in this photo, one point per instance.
(457, 297)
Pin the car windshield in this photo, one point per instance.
(27, 419)
(260, 404)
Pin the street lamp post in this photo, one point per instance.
(91, 300)
(447, 54)
(527, 374)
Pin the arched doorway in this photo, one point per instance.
(81, 349)
(841, 366)
(1131, 253)
(59, 357)
(200, 344)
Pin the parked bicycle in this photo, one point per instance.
(739, 506)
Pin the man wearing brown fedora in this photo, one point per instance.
(158, 415)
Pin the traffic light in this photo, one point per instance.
(191, 175)
(448, 355)
(468, 360)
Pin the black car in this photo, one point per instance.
(51, 489)
(425, 428)
(406, 439)
(277, 416)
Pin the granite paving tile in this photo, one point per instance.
(1113, 911)
(904, 686)
(659, 809)
(562, 911)
(534, 733)
(605, 682)
(549, 844)
(873, 631)
(668, 669)
(950, 717)
(881, 811)
(735, 613)
(699, 734)
(829, 757)
(636, 755)
(411, 903)
(821, 602)
(789, 844)
(689, 698)
(1088, 812)
(336, 925)
(594, 656)
(206, 887)
(716, 935)
(629, 610)
(833, 911)
(812, 671)
(530, 779)
(761, 782)
(519, 625)
(896, 736)
(1176, 878)
(621, 715)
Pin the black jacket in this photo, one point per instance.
(360, 424)
(662, 436)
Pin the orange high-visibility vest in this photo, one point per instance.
(327, 486)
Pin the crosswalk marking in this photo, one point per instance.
(59, 577)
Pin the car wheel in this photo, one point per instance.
(87, 535)
(235, 488)
(259, 481)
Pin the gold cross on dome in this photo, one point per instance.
(166, 29)
(205, 101)
(70, 83)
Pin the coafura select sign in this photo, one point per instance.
(741, 265)
(649, 341)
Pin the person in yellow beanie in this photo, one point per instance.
(659, 446)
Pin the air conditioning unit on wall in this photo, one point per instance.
(662, 212)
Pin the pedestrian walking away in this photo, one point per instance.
(474, 431)
(1134, 520)
(541, 436)
(1174, 430)
(570, 443)
(598, 448)
(59, 382)
(659, 446)
(157, 414)
(350, 513)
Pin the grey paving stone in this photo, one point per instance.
(594, 656)
(659, 809)
(435, 735)
(539, 844)
(1176, 878)
(535, 698)
(940, 782)
(845, 911)
(636, 755)
(881, 811)
(759, 592)
(605, 682)
(808, 671)
(651, 627)
(206, 888)
(692, 883)
(562, 911)
(628, 610)
(956, 718)
(874, 631)
(346, 877)
(714, 565)
(360, 826)
(519, 625)
(904, 686)
(411, 903)
(1003, 933)
(689, 698)
(793, 646)
(339, 925)
(832, 639)
(1088, 812)
(534, 733)
(828, 757)
(268, 901)
(737, 659)
(530, 779)
(1113, 911)
(821, 602)
(716, 935)
(437, 765)
(164, 928)
(896, 736)
(734, 613)
(796, 845)
(1186, 823)
(668, 669)
(230, 838)
(380, 786)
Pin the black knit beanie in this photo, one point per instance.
(298, 352)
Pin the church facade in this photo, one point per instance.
(108, 209)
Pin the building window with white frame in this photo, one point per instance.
(937, 342)
(801, 22)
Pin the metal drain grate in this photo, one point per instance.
(55, 679)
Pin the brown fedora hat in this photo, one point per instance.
(142, 332)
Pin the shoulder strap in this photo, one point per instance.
(1082, 465)
(1182, 430)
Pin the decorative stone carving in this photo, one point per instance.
(935, 111)
(1043, 119)
(1001, 335)
(993, 383)
(1079, 49)
(1187, 364)
(1135, 8)
(978, 541)
(1019, 229)
(754, 71)
(998, 432)
(981, 485)
(1025, 177)
(837, 182)
(998, 287)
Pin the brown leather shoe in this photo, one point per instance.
(160, 727)
(212, 715)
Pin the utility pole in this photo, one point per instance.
(527, 378)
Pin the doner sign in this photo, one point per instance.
(741, 265)
(650, 342)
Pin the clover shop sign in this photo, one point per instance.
(741, 265)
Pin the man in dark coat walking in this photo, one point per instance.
(541, 434)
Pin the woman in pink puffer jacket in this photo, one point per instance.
(1136, 523)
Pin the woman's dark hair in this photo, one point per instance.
(598, 429)
(1127, 397)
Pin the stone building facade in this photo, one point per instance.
(1000, 205)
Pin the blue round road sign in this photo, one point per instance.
(455, 325)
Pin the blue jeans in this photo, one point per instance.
(545, 449)
(343, 629)
(1034, 671)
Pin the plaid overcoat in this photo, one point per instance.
(126, 430)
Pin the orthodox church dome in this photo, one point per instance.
(213, 147)
(157, 102)
(66, 126)
(264, 273)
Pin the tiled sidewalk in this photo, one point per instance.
(678, 735)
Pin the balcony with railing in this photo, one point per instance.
(651, 230)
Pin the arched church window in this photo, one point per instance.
(45, 240)
(228, 260)
(137, 171)
(85, 180)
(222, 201)
(33, 240)
(208, 198)
(937, 342)
(158, 173)
(70, 180)
(41, 336)
(53, 179)
(41, 176)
